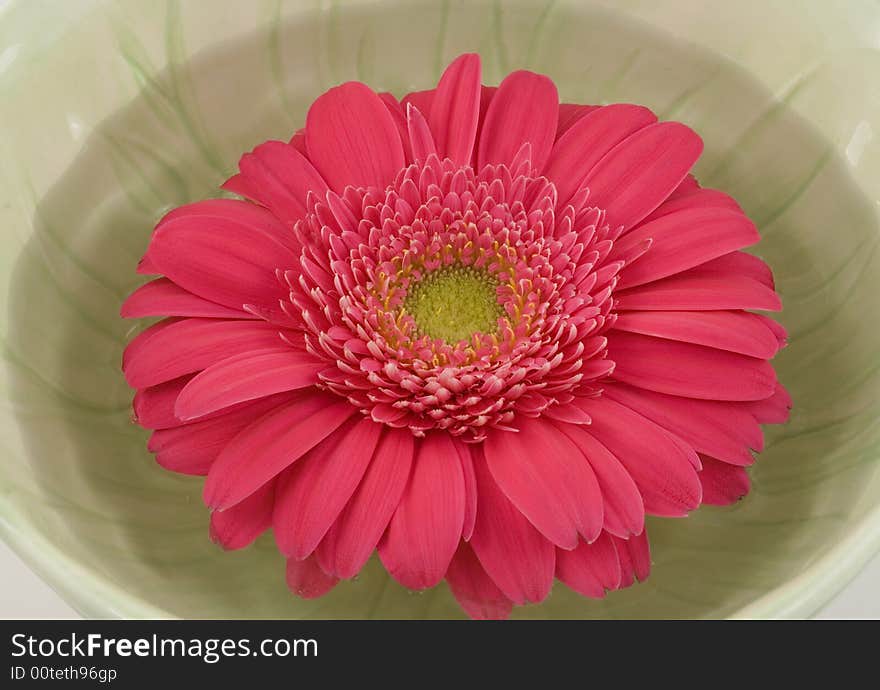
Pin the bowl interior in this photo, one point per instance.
(119, 535)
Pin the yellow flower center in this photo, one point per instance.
(454, 303)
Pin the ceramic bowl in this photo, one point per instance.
(112, 112)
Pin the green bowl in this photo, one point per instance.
(112, 112)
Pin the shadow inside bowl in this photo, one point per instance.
(105, 503)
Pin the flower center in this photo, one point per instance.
(453, 303)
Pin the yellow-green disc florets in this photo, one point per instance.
(454, 302)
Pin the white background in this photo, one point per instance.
(24, 595)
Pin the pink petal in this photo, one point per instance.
(734, 331)
(686, 187)
(777, 328)
(570, 413)
(161, 297)
(238, 526)
(514, 554)
(153, 407)
(474, 590)
(772, 410)
(456, 108)
(723, 483)
(279, 177)
(348, 545)
(736, 264)
(693, 371)
(724, 430)
(237, 184)
(306, 579)
(419, 134)
(398, 114)
(569, 114)
(487, 93)
(694, 198)
(635, 558)
(587, 141)
(682, 240)
(146, 267)
(208, 210)
(352, 139)
(425, 530)
(693, 292)
(636, 176)
(423, 100)
(298, 141)
(314, 492)
(192, 449)
(174, 347)
(624, 511)
(544, 475)
(590, 569)
(272, 444)
(664, 472)
(222, 260)
(470, 489)
(246, 376)
(524, 109)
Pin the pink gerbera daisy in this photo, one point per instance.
(477, 330)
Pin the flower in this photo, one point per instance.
(476, 330)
